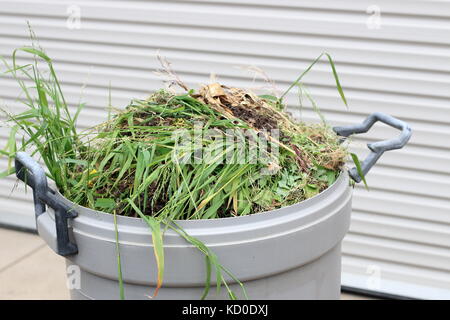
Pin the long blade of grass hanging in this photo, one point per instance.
(213, 260)
(158, 247)
(232, 276)
(359, 169)
(209, 256)
(119, 264)
(336, 78)
(208, 278)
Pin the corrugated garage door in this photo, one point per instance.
(392, 57)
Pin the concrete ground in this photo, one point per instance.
(31, 270)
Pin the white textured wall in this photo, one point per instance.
(397, 61)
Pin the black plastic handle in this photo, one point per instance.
(377, 148)
(30, 172)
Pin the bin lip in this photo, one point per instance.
(195, 223)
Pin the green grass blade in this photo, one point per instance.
(335, 75)
(158, 247)
(336, 78)
(359, 170)
(208, 278)
(119, 264)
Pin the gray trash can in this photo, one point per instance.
(289, 253)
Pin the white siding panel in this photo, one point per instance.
(399, 240)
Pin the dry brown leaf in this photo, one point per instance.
(215, 90)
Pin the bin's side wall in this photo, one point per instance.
(319, 279)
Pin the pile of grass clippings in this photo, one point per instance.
(135, 156)
(212, 153)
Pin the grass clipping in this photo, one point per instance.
(221, 172)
